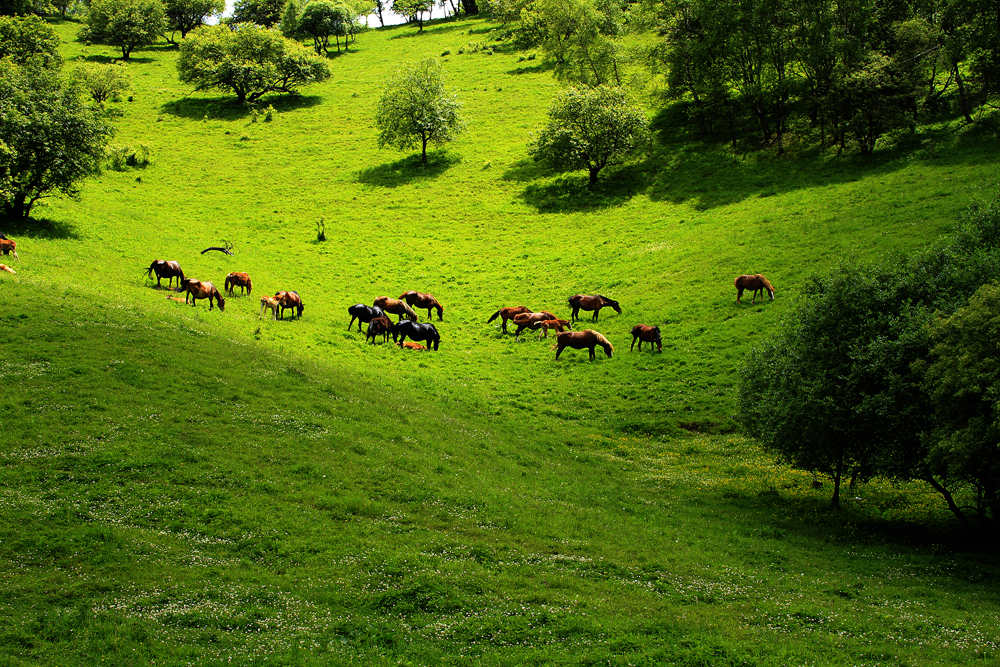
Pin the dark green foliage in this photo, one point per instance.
(28, 39)
(413, 10)
(127, 24)
(262, 12)
(321, 20)
(186, 15)
(49, 138)
(249, 61)
(102, 82)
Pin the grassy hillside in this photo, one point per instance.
(181, 484)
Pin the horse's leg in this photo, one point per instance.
(592, 354)
(632, 346)
(739, 294)
(559, 349)
(596, 313)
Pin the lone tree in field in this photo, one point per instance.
(415, 110)
(50, 138)
(589, 128)
(321, 20)
(413, 10)
(186, 15)
(100, 81)
(127, 24)
(247, 60)
(262, 12)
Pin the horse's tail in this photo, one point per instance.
(409, 312)
(493, 316)
(767, 285)
(249, 285)
(603, 342)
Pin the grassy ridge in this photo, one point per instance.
(186, 484)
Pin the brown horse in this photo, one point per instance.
(288, 300)
(530, 321)
(755, 282)
(168, 270)
(268, 302)
(581, 339)
(410, 345)
(8, 247)
(238, 279)
(396, 307)
(379, 325)
(558, 325)
(421, 300)
(508, 313)
(641, 332)
(592, 302)
(4, 267)
(197, 289)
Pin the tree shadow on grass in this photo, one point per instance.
(570, 192)
(408, 170)
(37, 228)
(228, 108)
(110, 60)
(536, 68)
(429, 29)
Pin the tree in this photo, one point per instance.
(26, 39)
(99, 81)
(247, 60)
(127, 24)
(575, 35)
(262, 12)
(590, 128)
(413, 10)
(416, 110)
(49, 138)
(320, 20)
(186, 15)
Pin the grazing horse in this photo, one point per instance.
(410, 345)
(8, 247)
(592, 302)
(530, 321)
(197, 289)
(268, 302)
(238, 279)
(396, 307)
(425, 331)
(755, 282)
(581, 339)
(380, 325)
(421, 300)
(288, 300)
(508, 313)
(4, 267)
(558, 325)
(363, 313)
(168, 270)
(641, 332)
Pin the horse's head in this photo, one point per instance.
(614, 304)
(220, 301)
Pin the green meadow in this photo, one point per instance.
(184, 485)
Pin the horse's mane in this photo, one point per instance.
(607, 299)
(602, 341)
(767, 283)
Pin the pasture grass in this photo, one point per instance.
(183, 485)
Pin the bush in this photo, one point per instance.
(101, 82)
(121, 158)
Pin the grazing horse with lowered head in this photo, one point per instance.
(396, 307)
(197, 289)
(289, 300)
(168, 270)
(592, 302)
(268, 302)
(581, 339)
(641, 332)
(558, 325)
(238, 279)
(421, 300)
(363, 313)
(757, 283)
(378, 326)
(530, 321)
(424, 331)
(508, 313)
(8, 247)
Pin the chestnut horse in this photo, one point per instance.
(530, 321)
(558, 325)
(641, 332)
(268, 302)
(378, 326)
(410, 345)
(592, 302)
(238, 279)
(581, 339)
(425, 332)
(168, 270)
(4, 267)
(421, 300)
(508, 313)
(288, 300)
(755, 282)
(396, 307)
(197, 289)
(363, 313)
(8, 247)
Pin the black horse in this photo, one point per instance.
(363, 313)
(416, 331)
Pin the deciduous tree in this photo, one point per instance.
(127, 24)
(186, 15)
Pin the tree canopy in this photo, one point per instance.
(127, 24)
(416, 110)
(413, 10)
(26, 39)
(186, 15)
(247, 60)
(262, 12)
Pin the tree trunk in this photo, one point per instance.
(470, 7)
(593, 176)
(423, 149)
(963, 96)
(947, 498)
(837, 474)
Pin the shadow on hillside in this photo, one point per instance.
(37, 228)
(227, 108)
(110, 60)
(536, 68)
(408, 170)
(569, 192)
(428, 29)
